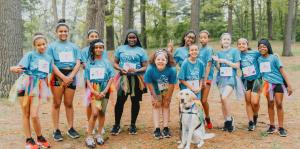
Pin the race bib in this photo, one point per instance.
(97, 73)
(162, 86)
(265, 67)
(226, 71)
(65, 56)
(43, 66)
(128, 66)
(249, 71)
(194, 83)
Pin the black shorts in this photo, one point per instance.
(278, 88)
(56, 81)
(249, 85)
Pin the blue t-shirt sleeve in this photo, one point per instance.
(147, 76)
(25, 61)
(278, 62)
(176, 58)
(173, 76)
(181, 75)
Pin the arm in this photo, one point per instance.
(16, 69)
(103, 93)
(143, 68)
(170, 90)
(289, 87)
(117, 67)
(75, 69)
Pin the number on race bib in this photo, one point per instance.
(65, 57)
(265, 67)
(226, 71)
(43, 66)
(249, 71)
(97, 73)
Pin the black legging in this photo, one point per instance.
(135, 101)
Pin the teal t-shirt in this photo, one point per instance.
(160, 79)
(249, 64)
(85, 54)
(269, 69)
(131, 57)
(37, 64)
(99, 71)
(180, 55)
(65, 54)
(206, 56)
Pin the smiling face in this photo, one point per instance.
(263, 49)
(193, 51)
(62, 33)
(40, 45)
(203, 38)
(189, 39)
(92, 36)
(226, 41)
(242, 45)
(132, 39)
(161, 61)
(99, 50)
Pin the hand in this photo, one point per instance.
(96, 94)
(171, 46)
(196, 90)
(67, 80)
(132, 70)
(215, 58)
(155, 102)
(123, 71)
(289, 90)
(17, 69)
(102, 94)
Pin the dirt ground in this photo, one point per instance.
(11, 134)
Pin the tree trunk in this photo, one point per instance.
(127, 17)
(91, 14)
(10, 42)
(54, 9)
(229, 21)
(100, 16)
(63, 9)
(270, 19)
(295, 22)
(195, 15)
(164, 36)
(143, 23)
(110, 41)
(253, 21)
(288, 28)
(260, 22)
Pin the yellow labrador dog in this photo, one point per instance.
(192, 120)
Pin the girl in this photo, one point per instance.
(191, 73)
(228, 61)
(275, 84)
(32, 88)
(66, 57)
(251, 80)
(160, 78)
(131, 61)
(99, 75)
(182, 52)
(205, 55)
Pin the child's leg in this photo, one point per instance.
(101, 116)
(249, 108)
(225, 103)
(205, 92)
(278, 100)
(34, 114)
(156, 115)
(166, 111)
(57, 92)
(25, 116)
(271, 110)
(68, 102)
(93, 118)
(88, 112)
(255, 98)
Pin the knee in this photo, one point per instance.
(204, 101)
(279, 106)
(166, 104)
(34, 116)
(69, 105)
(95, 115)
(270, 104)
(255, 104)
(26, 115)
(56, 105)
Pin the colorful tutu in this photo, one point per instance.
(99, 87)
(30, 87)
(123, 84)
(268, 89)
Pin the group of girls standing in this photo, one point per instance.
(262, 72)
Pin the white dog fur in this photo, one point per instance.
(190, 120)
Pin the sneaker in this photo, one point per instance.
(226, 125)
(208, 123)
(90, 142)
(251, 126)
(115, 130)
(132, 130)
(57, 135)
(282, 132)
(166, 132)
(271, 129)
(157, 134)
(255, 119)
(231, 127)
(42, 142)
(73, 133)
(30, 144)
(99, 139)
